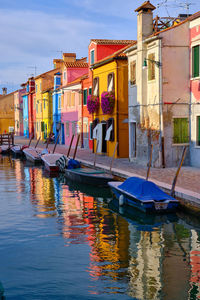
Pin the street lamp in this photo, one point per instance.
(157, 63)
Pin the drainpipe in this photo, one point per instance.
(161, 137)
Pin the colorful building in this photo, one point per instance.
(97, 50)
(195, 89)
(158, 90)
(25, 109)
(56, 96)
(7, 113)
(110, 77)
(31, 91)
(18, 107)
(43, 98)
(71, 113)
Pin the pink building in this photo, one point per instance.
(71, 111)
(195, 89)
(18, 107)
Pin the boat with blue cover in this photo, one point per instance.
(143, 195)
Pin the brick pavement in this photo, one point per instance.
(187, 186)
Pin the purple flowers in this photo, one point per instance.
(107, 102)
(92, 103)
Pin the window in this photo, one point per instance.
(151, 66)
(181, 131)
(40, 86)
(64, 75)
(133, 72)
(44, 103)
(110, 82)
(68, 99)
(96, 86)
(92, 57)
(74, 127)
(42, 126)
(195, 61)
(37, 108)
(59, 102)
(198, 131)
(67, 128)
(80, 99)
(73, 99)
(36, 88)
(90, 91)
(85, 97)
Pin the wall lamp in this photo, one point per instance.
(157, 63)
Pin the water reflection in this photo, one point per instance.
(143, 257)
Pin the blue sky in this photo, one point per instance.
(34, 32)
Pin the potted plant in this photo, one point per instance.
(107, 102)
(92, 103)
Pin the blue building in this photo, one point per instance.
(57, 105)
(25, 112)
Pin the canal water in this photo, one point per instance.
(59, 240)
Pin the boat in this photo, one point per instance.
(33, 155)
(89, 176)
(49, 161)
(5, 149)
(143, 195)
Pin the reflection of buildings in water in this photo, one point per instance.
(144, 266)
(19, 174)
(175, 261)
(42, 193)
(195, 266)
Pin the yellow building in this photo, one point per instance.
(43, 99)
(110, 78)
(47, 113)
(7, 114)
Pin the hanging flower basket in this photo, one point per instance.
(92, 103)
(107, 102)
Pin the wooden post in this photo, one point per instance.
(172, 193)
(76, 146)
(149, 164)
(37, 142)
(30, 140)
(95, 154)
(113, 156)
(56, 143)
(70, 145)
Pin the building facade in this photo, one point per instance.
(18, 107)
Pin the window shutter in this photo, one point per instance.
(196, 61)
(133, 73)
(85, 97)
(151, 66)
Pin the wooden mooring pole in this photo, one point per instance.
(76, 146)
(149, 164)
(70, 145)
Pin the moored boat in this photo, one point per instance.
(89, 176)
(49, 161)
(33, 155)
(5, 149)
(143, 195)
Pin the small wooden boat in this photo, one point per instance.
(17, 150)
(49, 161)
(89, 176)
(5, 149)
(33, 155)
(143, 195)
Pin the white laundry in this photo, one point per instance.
(95, 132)
(99, 137)
(108, 133)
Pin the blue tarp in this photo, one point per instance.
(143, 189)
(73, 164)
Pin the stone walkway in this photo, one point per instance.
(187, 187)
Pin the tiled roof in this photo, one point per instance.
(76, 64)
(111, 42)
(194, 16)
(47, 73)
(116, 55)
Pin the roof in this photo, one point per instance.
(47, 73)
(111, 42)
(146, 5)
(76, 64)
(194, 16)
(116, 55)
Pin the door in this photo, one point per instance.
(63, 133)
(132, 138)
(85, 133)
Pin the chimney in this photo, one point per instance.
(69, 57)
(4, 89)
(144, 20)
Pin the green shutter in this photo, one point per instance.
(196, 61)
(90, 91)
(181, 130)
(42, 126)
(85, 97)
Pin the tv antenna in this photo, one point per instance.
(178, 4)
(33, 67)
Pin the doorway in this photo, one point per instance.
(132, 140)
